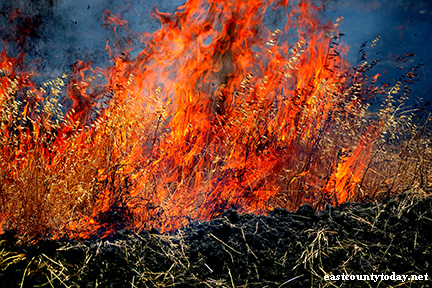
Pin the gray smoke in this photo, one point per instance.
(404, 26)
(65, 31)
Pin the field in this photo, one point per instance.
(179, 165)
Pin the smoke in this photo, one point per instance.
(55, 34)
(403, 27)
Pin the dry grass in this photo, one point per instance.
(119, 163)
(353, 240)
(354, 249)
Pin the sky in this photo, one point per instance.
(72, 30)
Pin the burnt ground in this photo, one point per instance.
(282, 249)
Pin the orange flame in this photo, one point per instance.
(217, 112)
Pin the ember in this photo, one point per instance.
(220, 110)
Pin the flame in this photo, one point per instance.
(219, 110)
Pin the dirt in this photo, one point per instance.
(282, 249)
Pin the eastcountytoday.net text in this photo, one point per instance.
(377, 277)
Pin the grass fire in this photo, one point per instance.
(226, 118)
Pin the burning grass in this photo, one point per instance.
(211, 115)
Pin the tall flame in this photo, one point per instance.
(218, 111)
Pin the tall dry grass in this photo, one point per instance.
(62, 175)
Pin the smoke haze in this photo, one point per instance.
(61, 32)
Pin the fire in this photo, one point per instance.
(220, 110)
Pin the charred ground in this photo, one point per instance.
(282, 249)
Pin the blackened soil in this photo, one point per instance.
(283, 249)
